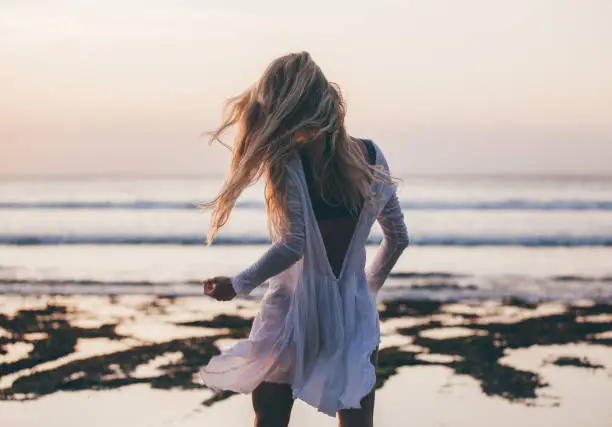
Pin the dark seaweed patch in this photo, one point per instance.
(392, 358)
(106, 371)
(406, 307)
(61, 337)
(222, 321)
(430, 275)
(575, 361)
(478, 355)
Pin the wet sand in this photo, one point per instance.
(130, 360)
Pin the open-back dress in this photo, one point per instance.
(317, 326)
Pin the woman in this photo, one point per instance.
(317, 332)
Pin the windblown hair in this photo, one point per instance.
(291, 99)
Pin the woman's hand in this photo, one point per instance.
(219, 288)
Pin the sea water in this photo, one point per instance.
(535, 237)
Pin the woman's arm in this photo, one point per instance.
(282, 254)
(395, 240)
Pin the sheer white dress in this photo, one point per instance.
(314, 331)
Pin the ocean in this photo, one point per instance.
(476, 237)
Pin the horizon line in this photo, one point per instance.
(70, 176)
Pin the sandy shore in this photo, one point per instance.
(130, 360)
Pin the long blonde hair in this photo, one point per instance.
(291, 98)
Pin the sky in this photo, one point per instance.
(473, 86)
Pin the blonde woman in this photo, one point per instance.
(317, 332)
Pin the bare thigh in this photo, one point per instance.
(272, 403)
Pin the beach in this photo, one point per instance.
(131, 360)
(500, 311)
(135, 132)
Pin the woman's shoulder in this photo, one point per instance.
(370, 150)
(375, 153)
(293, 164)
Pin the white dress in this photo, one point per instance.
(314, 330)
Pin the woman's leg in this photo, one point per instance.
(272, 403)
(364, 416)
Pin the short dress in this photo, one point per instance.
(317, 326)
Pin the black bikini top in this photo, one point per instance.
(325, 210)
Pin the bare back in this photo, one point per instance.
(336, 222)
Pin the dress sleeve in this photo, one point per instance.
(282, 254)
(395, 240)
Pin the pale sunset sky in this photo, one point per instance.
(473, 86)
